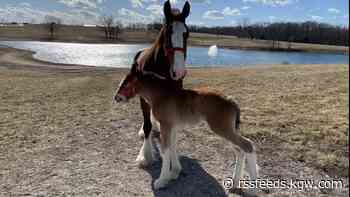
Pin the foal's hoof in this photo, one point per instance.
(159, 184)
(175, 173)
(141, 133)
(142, 162)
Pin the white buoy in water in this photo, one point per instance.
(213, 51)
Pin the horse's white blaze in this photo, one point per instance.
(179, 65)
(177, 39)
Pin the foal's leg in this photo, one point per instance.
(225, 129)
(165, 176)
(175, 163)
(247, 151)
(145, 156)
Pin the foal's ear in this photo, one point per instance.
(167, 10)
(186, 10)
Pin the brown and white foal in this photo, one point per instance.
(173, 108)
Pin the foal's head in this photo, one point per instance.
(128, 88)
(175, 34)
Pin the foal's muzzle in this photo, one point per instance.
(120, 98)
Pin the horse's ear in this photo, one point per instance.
(167, 10)
(186, 10)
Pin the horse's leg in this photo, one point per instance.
(145, 156)
(147, 124)
(175, 163)
(165, 152)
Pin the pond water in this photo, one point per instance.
(121, 55)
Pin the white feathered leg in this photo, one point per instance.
(165, 175)
(165, 152)
(175, 163)
(145, 156)
(239, 168)
(252, 170)
(141, 133)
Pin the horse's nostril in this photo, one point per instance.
(117, 98)
(120, 98)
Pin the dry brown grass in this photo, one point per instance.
(60, 132)
(304, 106)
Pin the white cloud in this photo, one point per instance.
(140, 3)
(34, 15)
(333, 10)
(315, 17)
(196, 23)
(131, 16)
(245, 7)
(234, 23)
(227, 11)
(155, 9)
(213, 15)
(274, 3)
(82, 3)
(25, 4)
(194, 1)
(272, 19)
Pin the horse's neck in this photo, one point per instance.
(151, 62)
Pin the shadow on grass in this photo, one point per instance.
(193, 181)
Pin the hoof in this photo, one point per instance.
(142, 162)
(141, 133)
(175, 173)
(160, 183)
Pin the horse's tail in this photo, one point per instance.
(237, 112)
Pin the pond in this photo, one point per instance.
(121, 55)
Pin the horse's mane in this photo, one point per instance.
(154, 51)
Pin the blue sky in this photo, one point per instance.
(204, 12)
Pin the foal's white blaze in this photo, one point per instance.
(177, 39)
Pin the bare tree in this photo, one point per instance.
(52, 24)
(111, 27)
(107, 23)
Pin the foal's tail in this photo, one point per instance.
(237, 114)
(238, 118)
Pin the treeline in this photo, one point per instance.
(306, 32)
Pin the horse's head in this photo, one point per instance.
(176, 34)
